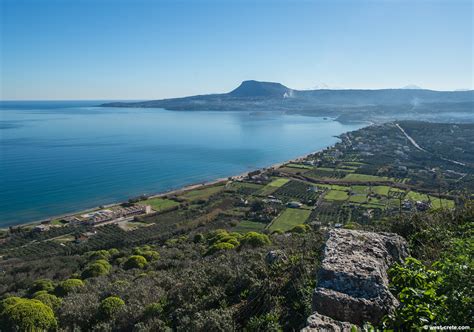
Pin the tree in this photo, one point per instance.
(50, 300)
(98, 268)
(27, 315)
(42, 285)
(68, 286)
(135, 262)
(255, 239)
(110, 306)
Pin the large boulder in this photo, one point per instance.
(353, 282)
(319, 323)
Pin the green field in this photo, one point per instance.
(272, 186)
(360, 190)
(365, 178)
(249, 226)
(204, 193)
(358, 198)
(299, 166)
(436, 203)
(159, 204)
(334, 187)
(381, 190)
(289, 219)
(336, 195)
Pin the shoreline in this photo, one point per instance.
(191, 186)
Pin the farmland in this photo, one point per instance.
(289, 219)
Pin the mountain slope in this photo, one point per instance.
(384, 104)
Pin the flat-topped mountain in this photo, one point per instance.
(349, 104)
(261, 89)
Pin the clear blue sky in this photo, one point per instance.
(142, 49)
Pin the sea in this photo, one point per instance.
(58, 157)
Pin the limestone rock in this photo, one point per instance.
(319, 323)
(353, 282)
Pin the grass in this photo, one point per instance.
(358, 199)
(159, 204)
(203, 193)
(381, 190)
(299, 166)
(355, 163)
(414, 196)
(436, 203)
(289, 219)
(272, 186)
(250, 185)
(334, 187)
(356, 177)
(249, 226)
(360, 190)
(336, 195)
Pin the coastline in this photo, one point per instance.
(191, 186)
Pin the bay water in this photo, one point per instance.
(65, 156)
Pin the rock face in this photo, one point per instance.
(353, 283)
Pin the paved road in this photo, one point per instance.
(416, 145)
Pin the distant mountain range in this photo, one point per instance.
(351, 104)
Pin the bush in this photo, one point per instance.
(69, 286)
(99, 254)
(219, 246)
(198, 238)
(153, 310)
(8, 302)
(150, 255)
(114, 252)
(41, 292)
(300, 229)
(416, 288)
(98, 268)
(135, 262)
(27, 315)
(255, 239)
(42, 285)
(110, 306)
(50, 300)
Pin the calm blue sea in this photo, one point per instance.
(60, 157)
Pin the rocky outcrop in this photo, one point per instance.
(352, 282)
(319, 323)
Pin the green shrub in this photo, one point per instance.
(8, 302)
(69, 286)
(41, 292)
(198, 238)
(42, 285)
(113, 252)
(27, 315)
(300, 229)
(98, 268)
(153, 310)
(135, 262)
(99, 254)
(255, 239)
(110, 306)
(50, 300)
(416, 288)
(266, 322)
(150, 255)
(219, 246)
